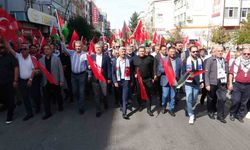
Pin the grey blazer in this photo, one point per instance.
(211, 71)
(56, 69)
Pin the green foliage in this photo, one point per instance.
(244, 32)
(133, 21)
(176, 35)
(81, 26)
(219, 35)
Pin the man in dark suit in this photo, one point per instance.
(100, 88)
(168, 92)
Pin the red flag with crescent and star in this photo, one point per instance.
(8, 26)
(74, 38)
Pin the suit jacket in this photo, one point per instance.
(106, 66)
(161, 72)
(211, 71)
(56, 69)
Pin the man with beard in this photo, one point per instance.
(145, 64)
(79, 75)
(240, 73)
(8, 79)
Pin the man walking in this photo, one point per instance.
(240, 73)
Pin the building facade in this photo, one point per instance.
(193, 16)
(159, 16)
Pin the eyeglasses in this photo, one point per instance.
(194, 51)
(117, 47)
(248, 54)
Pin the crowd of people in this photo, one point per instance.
(129, 72)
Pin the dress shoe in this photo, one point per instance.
(241, 120)
(37, 110)
(172, 113)
(27, 117)
(211, 115)
(221, 120)
(163, 110)
(81, 111)
(46, 116)
(232, 118)
(140, 108)
(60, 109)
(150, 113)
(125, 116)
(106, 106)
(98, 114)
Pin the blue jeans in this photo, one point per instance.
(191, 98)
(78, 88)
(168, 96)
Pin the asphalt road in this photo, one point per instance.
(68, 130)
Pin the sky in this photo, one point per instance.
(119, 11)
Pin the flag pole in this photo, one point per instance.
(59, 27)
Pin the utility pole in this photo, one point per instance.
(240, 12)
(223, 13)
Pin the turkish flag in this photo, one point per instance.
(74, 38)
(53, 31)
(92, 47)
(35, 40)
(228, 57)
(143, 92)
(169, 71)
(8, 26)
(138, 31)
(38, 65)
(98, 74)
(155, 38)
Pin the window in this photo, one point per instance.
(244, 12)
(231, 12)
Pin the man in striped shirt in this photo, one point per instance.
(79, 75)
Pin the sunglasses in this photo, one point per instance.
(194, 51)
(117, 47)
(246, 54)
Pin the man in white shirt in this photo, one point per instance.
(26, 69)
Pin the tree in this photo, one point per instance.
(176, 34)
(244, 32)
(219, 35)
(82, 27)
(133, 21)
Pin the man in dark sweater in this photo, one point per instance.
(145, 64)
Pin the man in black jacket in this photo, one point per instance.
(146, 66)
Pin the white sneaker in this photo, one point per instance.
(8, 122)
(191, 120)
(248, 115)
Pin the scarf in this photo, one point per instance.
(243, 64)
(221, 67)
(126, 71)
(189, 68)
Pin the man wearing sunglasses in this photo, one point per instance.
(8, 79)
(26, 75)
(239, 83)
(193, 84)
